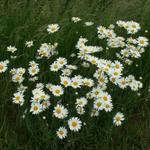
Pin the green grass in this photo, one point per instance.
(22, 20)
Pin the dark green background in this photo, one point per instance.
(22, 20)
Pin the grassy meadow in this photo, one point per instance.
(23, 20)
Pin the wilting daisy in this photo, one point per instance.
(81, 102)
(52, 28)
(75, 19)
(89, 23)
(11, 49)
(118, 118)
(60, 111)
(61, 132)
(29, 43)
(75, 124)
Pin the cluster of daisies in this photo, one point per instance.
(74, 95)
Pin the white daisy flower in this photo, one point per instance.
(81, 102)
(65, 81)
(118, 118)
(29, 44)
(98, 104)
(57, 90)
(18, 98)
(89, 23)
(75, 19)
(3, 66)
(52, 28)
(142, 41)
(60, 111)
(11, 49)
(75, 124)
(61, 132)
(36, 108)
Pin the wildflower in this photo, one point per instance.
(4, 66)
(61, 132)
(75, 124)
(118, 118)
(57, 90)
(11, 49)
(52, 28)
(36, 108)
(29, 44)
(60, 111)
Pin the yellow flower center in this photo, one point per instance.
(105, 98)
(57, 91)
(1, 67)
(17, 98)
(61, 132)
(74, 124)
(58, 110)
(35, 108)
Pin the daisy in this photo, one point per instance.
(142, 41)
(61, 132)
(89, 23)
(18, 98)
(61, 61)
(57, 90)
(36, 108)
(3, 66)
(81, 102)
(80, 110)
(76, 82)
(52, 28)
(75, 124)
(65, 81)
(17, 78)
(118, 118)
(33, 70)
(55, 67)
(60, 111)
(29, 44)
(11, 49)
(88, 82)
(98, 104)
(108, 106)
(75, 19)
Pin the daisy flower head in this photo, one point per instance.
(4, 66)
(61, 132)
(36, 108)
(98, 105)
(118, 118)
(89, 23)
(75, 19)
(60, 111)
(74, 124)
(81, 102)
(52, 28)
(11, 49)
(61, 61)
(65, 81)
(142, 41)
(76, 82)
(57, 90)
(18, 98)
(29, 44)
